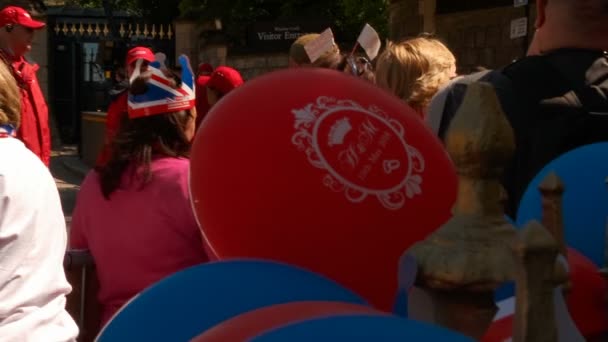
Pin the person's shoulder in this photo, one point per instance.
(202, 80)
(91, 178)
(119, 104)
(22, 165)
(171, 174)
(171, 166)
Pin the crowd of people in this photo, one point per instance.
(133, 212)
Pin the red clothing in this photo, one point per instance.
(202, 106)
(34, 128)
(116, 112)
(133, 251)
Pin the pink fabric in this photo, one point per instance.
(139, 236)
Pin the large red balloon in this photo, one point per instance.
(318, 169)
(253, 323)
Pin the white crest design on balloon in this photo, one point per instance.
(363, 150)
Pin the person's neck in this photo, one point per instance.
(564, 39)
(8, 52)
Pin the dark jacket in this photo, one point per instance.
(555, 103)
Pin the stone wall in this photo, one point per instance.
(188, 41)
(254, 65)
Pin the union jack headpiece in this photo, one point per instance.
(160, 97)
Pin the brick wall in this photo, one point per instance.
(405, 19)
(477, 37)
(482, 38)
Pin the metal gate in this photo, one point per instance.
(85, 49)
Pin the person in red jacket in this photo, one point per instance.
(117, 110)
(202, 106)
(223, 80)
(16, 35)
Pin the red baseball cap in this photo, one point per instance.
(224, 79)
(13, 15)
(140, 52)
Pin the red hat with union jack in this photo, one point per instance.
(161, 96)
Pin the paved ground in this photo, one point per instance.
(68, 172)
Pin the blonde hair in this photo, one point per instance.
(415, 69)
(10, 98)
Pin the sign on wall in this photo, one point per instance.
(275, 36)
(519, 28)
(520, 3)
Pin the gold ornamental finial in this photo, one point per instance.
(470, 255)
(536, 278)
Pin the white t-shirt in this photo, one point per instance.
(33, 239)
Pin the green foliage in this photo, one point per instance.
(154, 10)
(374, 12)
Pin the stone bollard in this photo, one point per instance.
(536, 278)
(469, 257)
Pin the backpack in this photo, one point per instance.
(555, 103)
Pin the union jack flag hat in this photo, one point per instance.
(160, 97)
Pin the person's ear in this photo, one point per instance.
(541, 7)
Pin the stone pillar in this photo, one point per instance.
(40, 55)
(187, 40)
(470, 256)
(428, 15)
(405, 19)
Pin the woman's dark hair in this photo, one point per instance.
(139, 140)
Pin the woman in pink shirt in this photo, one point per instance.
(134, 213)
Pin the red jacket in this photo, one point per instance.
(116, 111)
(34, 129)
